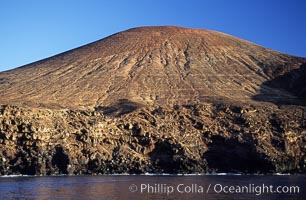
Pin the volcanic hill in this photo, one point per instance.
(155, 99)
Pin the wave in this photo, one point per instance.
(12, 176)
(155, 174)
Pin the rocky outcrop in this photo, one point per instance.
(197, 138)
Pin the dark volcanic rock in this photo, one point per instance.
(229, 139)
(158, 100)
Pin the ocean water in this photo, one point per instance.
(223, 187)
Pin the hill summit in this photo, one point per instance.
(150, 66)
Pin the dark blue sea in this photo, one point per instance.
(223, 187)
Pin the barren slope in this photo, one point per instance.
(150, 65)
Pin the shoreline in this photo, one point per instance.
(158, 174)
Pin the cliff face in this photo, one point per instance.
(186, 139)
(158, 100)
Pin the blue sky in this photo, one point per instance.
(31, 30)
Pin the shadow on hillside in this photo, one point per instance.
(292, 83)
(121, 107)
(230, 155)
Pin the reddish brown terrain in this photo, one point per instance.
(156, 99)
